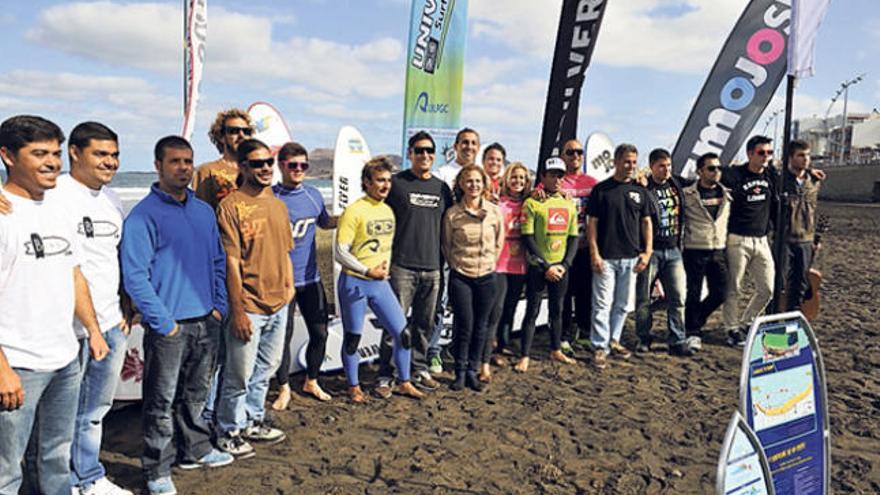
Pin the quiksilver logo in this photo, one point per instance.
(97, 228)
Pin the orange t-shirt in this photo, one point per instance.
(215, 180)
(256, 230)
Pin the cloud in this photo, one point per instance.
(485, 70)
(686, 39)
(340, 111)
(240, 47)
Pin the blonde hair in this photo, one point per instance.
(459, 191)
(219, 126)
(508, 172)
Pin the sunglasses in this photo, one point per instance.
(573, 152)
(255, 164)
(418, 150)
(764, 152)
(231, 131)
(303, 166)
(712, 168)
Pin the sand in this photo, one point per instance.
(652, 425)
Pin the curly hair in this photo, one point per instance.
(508, 172)
(459, 191)
(215, 133)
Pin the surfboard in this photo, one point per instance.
(599, 156)
(271, 128)
(783, 398)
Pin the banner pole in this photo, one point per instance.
(185, 22)
(782, 200)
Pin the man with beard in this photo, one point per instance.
(174, 269)
(215, 180)
(259, 279)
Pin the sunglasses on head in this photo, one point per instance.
(573, 152)
(266, 162)
(296, 165)
(764, 152)
(231, 131)
(418, 150)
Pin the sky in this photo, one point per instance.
(329, 63)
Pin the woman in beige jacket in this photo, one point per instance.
(473, 235)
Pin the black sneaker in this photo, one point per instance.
(736, 338)
(643, 347)
(682, 350)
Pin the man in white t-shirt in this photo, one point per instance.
(39, 352)
(467, 146)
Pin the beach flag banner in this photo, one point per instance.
(599, 156)
(579, 24)
(742, 466)
(783, 398)
(739, 87)
(806, 17)
(270, 128)
(195, 34)
(435, 74)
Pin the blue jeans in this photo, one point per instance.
(177, 376)
(247, 370)
(46, 420)
(613, 298)
(95, 400)
(668, 266)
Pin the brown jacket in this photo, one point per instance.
(701, 231)
(472, 241)
(800, 207)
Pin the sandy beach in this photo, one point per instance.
(651, 425)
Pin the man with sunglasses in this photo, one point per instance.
(753, 189)
(306, 211)
(418, 200)
(706, 212)
(257, 238)
(213, 181)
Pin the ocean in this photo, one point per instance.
(133, 186)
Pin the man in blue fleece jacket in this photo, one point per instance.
(174, 269)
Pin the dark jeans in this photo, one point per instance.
(535, 283)
(580, 285)
(312, 305)
(700, 264)
(416, 290)
(667, 266)
(508, 288)
(472, 302)
(798, 261)
(177, 375)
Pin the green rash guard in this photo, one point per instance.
(551, 223)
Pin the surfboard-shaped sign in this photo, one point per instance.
(271, 128)
(599, 157)
(742, 466)
(783, 398)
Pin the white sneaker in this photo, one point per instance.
(104, 487)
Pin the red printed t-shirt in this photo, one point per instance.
(513, 254)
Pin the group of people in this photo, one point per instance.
(214, 260)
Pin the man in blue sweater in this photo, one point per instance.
(174, 269)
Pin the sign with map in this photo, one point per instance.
(742, 467)
(784, 401)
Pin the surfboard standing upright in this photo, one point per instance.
(271, 128)
(784, 400)
(435, 74)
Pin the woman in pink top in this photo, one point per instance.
(511, 268)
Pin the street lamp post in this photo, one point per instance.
(843, 90)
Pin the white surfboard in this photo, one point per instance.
(599, 157)
(271, 128)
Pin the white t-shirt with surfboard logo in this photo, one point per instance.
(97, 219)
(37, 258)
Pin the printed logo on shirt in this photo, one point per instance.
(423, 200)
(41, 247)
(301, 227)
(756, 190)
(244, 210)
(97, 228)
(514, 222)
(556, 245)
(380, 227)
(636, 197)
(371, 245)
(557, 219)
